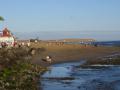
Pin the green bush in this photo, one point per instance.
(17, 72)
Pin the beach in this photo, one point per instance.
(72, 53)
(28, 62)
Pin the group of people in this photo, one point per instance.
(15, 44)
(22, 44)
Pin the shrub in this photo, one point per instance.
(17, 72)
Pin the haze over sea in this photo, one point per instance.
(47, 35)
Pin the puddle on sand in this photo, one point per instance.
(67, 76)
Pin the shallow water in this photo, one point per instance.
(67, 76)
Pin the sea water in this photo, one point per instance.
(71, 76)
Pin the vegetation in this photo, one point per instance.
(1, 18)
(16, 70)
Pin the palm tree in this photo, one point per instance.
(1, 18)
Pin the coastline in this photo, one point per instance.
(19, 60)
(73, 53)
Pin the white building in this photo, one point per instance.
(6, 38)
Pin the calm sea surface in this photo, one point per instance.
(67, 76)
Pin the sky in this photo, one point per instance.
(57, 19)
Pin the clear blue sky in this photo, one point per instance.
(49, 19)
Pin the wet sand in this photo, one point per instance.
(72, 53)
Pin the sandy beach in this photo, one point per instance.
(71, 53)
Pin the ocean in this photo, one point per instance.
(107, 43)
(98, 43)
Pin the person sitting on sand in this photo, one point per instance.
(49, 59)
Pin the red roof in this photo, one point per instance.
(6, 33)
